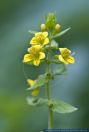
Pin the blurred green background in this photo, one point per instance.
(16, 18)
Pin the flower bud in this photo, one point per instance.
(57, 28)
(54, 44)
(50, 21)
(43, 27)
(28, 49)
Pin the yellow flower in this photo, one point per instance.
(65, 56)
(40, 39)
(31, 83)
(35, 55)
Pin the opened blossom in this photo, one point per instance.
(35, 55)
(65, 56)
(41, 38)
(31, 83)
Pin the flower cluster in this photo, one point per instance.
(36, 51)
(41, 44)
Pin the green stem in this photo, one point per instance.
(50, 118)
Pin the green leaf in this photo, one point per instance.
(32, 32)
(40, 81)
(61, 33)
(56, 106)
(61, 107)
(60, 69)
(34, 101)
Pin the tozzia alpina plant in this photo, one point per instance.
(44, 49)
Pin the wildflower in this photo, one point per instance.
(35, 55)
(40, 39)
(31, 83)
(65, 56)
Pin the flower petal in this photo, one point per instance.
(65, 51)
(30, 82)
(36, 62)
(45, 34)
(35, 92)
(38, 34)
(33, 41)
(71, 60)
(42, 55)
(27, 58)
(46, 41)
(62, 59)
(37, 48)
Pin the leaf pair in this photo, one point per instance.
(57, 106)
(44, 78)
(55, 36)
